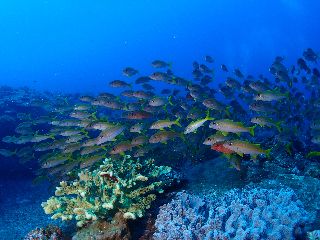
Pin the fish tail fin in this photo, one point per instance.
(227, 111)
(104, 148)
(251, 130)
(85, 132)
(268, 151)
(287, 94)
(208, 115)
(170, 100)
(94, 115)
(278, 126)
(165, 108)
(183, 137)
(313, 154)
(288, 148)
(176, 122)
(52, 136)
(226, 155)
(69, 156)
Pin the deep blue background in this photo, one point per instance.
(78, 46)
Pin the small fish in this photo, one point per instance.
(82, 115)
(160, 76)
(310, 55)
(224, 68)
(161, 124)
(110, 134)
(39, 138)
(163, 136)
(142, 95)
(53, 162)
(75, 138)
(142, 80)
(219, 147)
(136, 115)
(137, 128)
(7, 153)
(243, 147)
(213, 104)
(121, 147)
(238, 73)
(193, 126)
(204, 69)
(262, 107)
(147, 86)
(129, 71)
(88, 161)
(119, 84)
(215, 138)
(233, 83)
(160, 64)
(113, 104)
(269, 96)
(100, 125)
(208, 59)
(228, 126)
(258, 86)
(142, 151)
(268, 122)
(138, 141)
(86, 99)
(82, 107)
(128, 93)
(157, 102)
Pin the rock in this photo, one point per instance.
(117, 229)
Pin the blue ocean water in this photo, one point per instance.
(52, 52)
(80, 46)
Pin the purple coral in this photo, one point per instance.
(238, 214)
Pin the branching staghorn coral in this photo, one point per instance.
(128, 186)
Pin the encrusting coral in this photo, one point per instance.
(127, 186)
(238, 214)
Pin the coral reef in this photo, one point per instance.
(48, 233)
(238, 214)
(314, 235)
(306, 188)
(117, 229)
(124, 185)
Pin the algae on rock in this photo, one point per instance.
(128, 186)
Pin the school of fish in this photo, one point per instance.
(241, 117)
